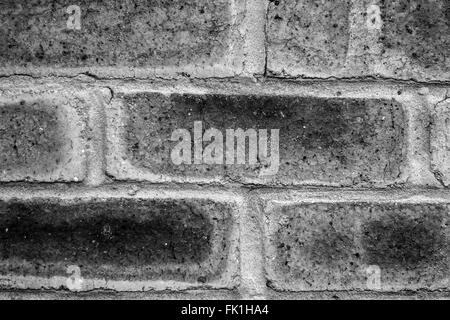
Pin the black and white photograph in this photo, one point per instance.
(225, 158)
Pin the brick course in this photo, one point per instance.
(358, 207)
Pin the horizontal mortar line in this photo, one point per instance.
(259, 79)
(152, 291)
(115, 292)
(119, 192)
(126, 78)
(56, 283)
(199, 289)
(143, 186)
(218, 185)
(364, 79)
(374, 199)
(224, 184)
(355, 291)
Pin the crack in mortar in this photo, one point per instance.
(360, 79)
(259, 78)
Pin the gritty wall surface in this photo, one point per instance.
(92, 204)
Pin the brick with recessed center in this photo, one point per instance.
(339, 141)
(357, 246)
(116, 239)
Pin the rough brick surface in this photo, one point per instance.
(416, 38)
(439, 146)
(332, 245)
(116, 33)
(42, 139)
(340, 141)
(118, 239)
(308, 35)
(398, 39)
(113, 183)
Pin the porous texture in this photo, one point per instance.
(29, 139)
(116, 239)
(358, 207)
(132, 33)
(419, 31)
(307, 36)
(397, 39)
(35, 144)
(339, 141)
(333, 246)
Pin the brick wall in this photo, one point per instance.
(92, 206)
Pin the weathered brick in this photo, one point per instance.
(118, 243)
(400, 39)
(307, 36)
(121, 33)
(439, 147)
(416, 38)
(42, 139)
(335, 141)
(337, 244)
